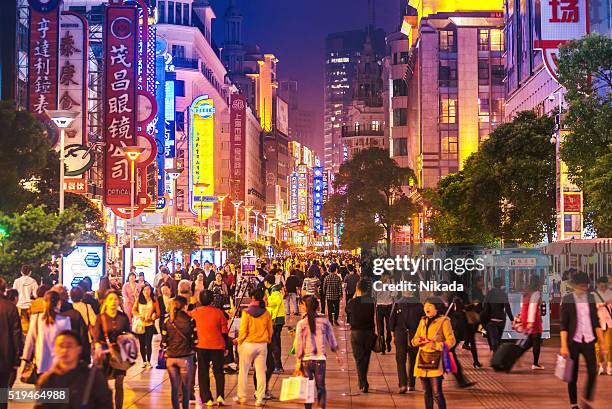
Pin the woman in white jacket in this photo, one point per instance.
(44, 327)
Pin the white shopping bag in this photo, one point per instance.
(298, 388)
(564, 368)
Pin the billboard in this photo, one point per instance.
(248, 265)
(145, 261)
(119, 100)
(293, 195)
(201, 153)
(72, 89)
(302, 192)
(210, 255)
(317, 182)
(282, 116)
(238, 106)
(42, 82)
(86, 260)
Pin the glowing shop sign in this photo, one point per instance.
(201, 152)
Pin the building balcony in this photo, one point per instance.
(365, 131)
(189, 63)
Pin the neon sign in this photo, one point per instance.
(201, 152)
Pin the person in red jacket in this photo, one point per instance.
(211, 327)
(531, 318)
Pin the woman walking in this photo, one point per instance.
(147, 310)
(109, 325)
(314, 336)
(130, 292)
(532, 320)
(178, 338)
(433, 332)
(43, 328)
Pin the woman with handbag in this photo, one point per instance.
(130, 292)
(146, 310)
(40, 341)
(531, 320)
(178, 340)
(110, 324)
(433, 332)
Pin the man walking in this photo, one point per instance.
(26, 286)
(361, 310)
(11, 341)
(332, 288)
(405, 317)
(276, 308)
(350, 281)
(494, 311)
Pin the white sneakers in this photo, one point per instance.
(537, 367)
(608, 371)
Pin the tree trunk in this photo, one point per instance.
(388, 239)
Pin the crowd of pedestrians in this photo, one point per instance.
(215, 323)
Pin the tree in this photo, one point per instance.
(585, 70)
(505, 191)
(171, 239)
(369, 199)
(25, 157)
(34, 236)
(235, 249)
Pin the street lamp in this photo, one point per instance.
(132, 153)
(556, 140)
(201, 186)
(236, 204)
(174, 174)
(221, 198)
(256, 212)
(61, 119)
(264, 216)
(247, 216)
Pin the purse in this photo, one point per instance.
(29, 374)
(138, 326)
(378, 343)
(429, 359)
(115, 360)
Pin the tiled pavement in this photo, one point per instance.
(520, 389)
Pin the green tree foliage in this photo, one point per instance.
(171, 239)
(369, 200)
(235, 249)
(25, 156)
(585, 70)
(34, 236)
(506, 190)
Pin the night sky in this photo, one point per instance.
(295, 30)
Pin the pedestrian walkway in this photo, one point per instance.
(521, 389)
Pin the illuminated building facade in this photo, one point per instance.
(455, 89)
(300, 120)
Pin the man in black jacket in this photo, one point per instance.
(494, 311)
(405, 317)
(361, 311)
(579, 332)
(11, 340)
(350, 282)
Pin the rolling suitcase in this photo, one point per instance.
(506, 356)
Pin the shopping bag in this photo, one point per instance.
(138, 326)
(309, 395)
(564, 368)
(297, 388)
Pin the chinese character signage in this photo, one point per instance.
(44, 32)
(238, 144)
(201, 153)
(119, 100)
(293, 198)
(160, 128)
(302, 192)
(317, 181)
(72, 87)
(561, 21)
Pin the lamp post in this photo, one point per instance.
(265, 216)
(221, 198)
(247, 216)
(132, 153)
(256, 212)
(61, 119)
(236, 204)
(174, 174)
(556, 140)
(201, 186)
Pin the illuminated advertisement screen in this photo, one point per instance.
(201, 153)
(86, 260)
(210, 255)
(145, 260)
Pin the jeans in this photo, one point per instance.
(249, 353)
(333, 310)
(495, 331)
(361, 342)
(316, 370)
(180, 371)
(588, 352)
(383, 315)
(290, 301)
(205, 357)
(403, 349)
(119, 391)
(276, 345)
(146, 343)
(535, 341)
(433, 391)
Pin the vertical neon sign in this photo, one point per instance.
(201, 153)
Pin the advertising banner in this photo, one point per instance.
(119, 100)
(86, 260)
(145, 260)
(44, 42)
(293, 195)
(160, 127)
(561, 21)
(302, 192)
(201, 153)
(247, 265)
(238, 144)
(282, 116)
(317, 181)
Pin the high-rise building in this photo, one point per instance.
(300, 120)
(342, 51)
(8, 52)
